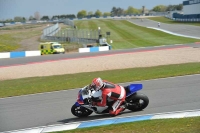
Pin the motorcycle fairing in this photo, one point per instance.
(96, 109)
(133, 88)
(79, 99)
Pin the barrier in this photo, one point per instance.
(94, 49)
(5, 55)
(19, 54)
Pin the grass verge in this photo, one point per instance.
(34, 85)
(10, 37)
(182, 125)
(169, 21)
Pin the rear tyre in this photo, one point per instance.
(80, 111)
(138, 102)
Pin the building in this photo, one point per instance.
(191, 10)
(2, 24)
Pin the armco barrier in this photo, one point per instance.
(38, 53)
(94, 49)
(19, 54)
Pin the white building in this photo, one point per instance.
(191, 8)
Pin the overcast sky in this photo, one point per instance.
(25, 8)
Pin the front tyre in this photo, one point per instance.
(138, 102)
(80, 111)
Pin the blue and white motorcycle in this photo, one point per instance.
(135, 101)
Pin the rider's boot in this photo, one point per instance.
(120, 109)
(114, 113)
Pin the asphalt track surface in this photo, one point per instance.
(166, 95)
(188, 30)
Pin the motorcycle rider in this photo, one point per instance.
(110, 91)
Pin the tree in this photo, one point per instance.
(113, 11)
(30, 18)
(132, 10)
(179, 7)
(98, 13)
(105, 14)
(117, 11)
(18, 19)
(159, 8)
(71, 16)
(90, 13)
(81, 14)
(120, 11)
(8, 20)
(45, 18)
(24, 19)
(37, 15)
(170, 8)
(55, 17)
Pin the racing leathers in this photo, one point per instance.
(113, 92)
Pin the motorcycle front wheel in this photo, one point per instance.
(80, 111)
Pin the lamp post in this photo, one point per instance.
(99, 30)
(88, 38)
(63, 37)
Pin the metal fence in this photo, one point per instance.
(54, 33)
(69, 22)
(152, 13)
(184, 19)
(50, 31)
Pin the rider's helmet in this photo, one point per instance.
(97, 83)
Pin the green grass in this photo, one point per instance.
(34, 85)
(20, 27)
(127, 35)
(181, 125)
(169, 21)
(10, 41)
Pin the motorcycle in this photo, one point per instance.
(83, 107)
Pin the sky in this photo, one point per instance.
(26, 8)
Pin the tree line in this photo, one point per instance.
(115, 11)
(163, 8)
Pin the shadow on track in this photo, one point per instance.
(93, 117)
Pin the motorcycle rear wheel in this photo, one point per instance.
(138, 102)
(80, 111)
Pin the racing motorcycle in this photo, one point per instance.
(83, 107)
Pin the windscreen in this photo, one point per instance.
(85, 91)
(57, 46)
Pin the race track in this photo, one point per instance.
(166, 95)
